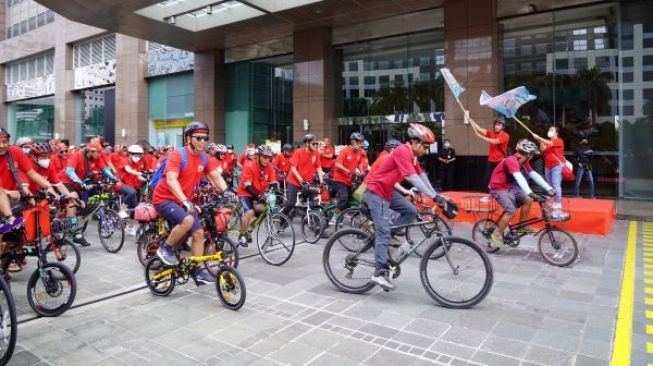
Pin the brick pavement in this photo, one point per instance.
(535, 314)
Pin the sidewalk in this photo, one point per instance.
(535, 314)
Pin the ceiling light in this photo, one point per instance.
(209, 10)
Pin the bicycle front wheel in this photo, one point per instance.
(51, 289)
(462, 275)
(275, 238)
(482, 232)
(64, 252)
(350, 271)
(147, 244)
(160, 279)
(230, 287)
(229, 250)
(111, 230)
(313, 225)
(8, 323)
(558, 247)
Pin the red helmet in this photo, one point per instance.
(40, 148)
(94, 146)
(421, 132)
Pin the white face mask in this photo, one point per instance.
(136, 159)
(44, 163)
(27, 150)
(551, 134)
(447, 145)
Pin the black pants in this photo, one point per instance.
(489, 168)
(342, 195)
(291, 193)
(446, 175)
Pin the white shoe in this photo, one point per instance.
(131, 230)
(383, 282)
(123, 214)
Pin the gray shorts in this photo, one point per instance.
(509, 199)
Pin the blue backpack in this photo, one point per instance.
(158, 174)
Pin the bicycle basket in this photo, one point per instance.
(222, 218)
(145, 212)
(483, 203)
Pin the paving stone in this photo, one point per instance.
(548, 356)
(582, 360)
(453, 349)
(556, 340)
(330, 359)
(514, 331)
(505, 346)
(388, 357)
(320, 338)
(354, 350)
(295, 353)
(378, 330)
(493, 359)
(427, 327)
(413, 339)
(464, 336)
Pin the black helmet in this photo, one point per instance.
(357, 136)
(391, 144)
(309, 137)
(196, 126)
(4, 133)
(288, 147)
(500, 120)
(264, 150)
(230, 147)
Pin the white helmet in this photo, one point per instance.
(250, 151)
(135, 149)
(23, 141)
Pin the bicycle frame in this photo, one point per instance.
(217, 256)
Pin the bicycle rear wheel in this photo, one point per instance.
(160, 279)
(229, 250)
(275, 238)
(481, 233)
(313, 225)
(8, 323)
(147, 244)
(462, 275)
(417, 233)
(353, 218)
(558, 247)
(111, 230)
(350, 271)
(64, 251)
(51, 289)
(230, 287)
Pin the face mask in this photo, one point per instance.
(447, 145)
(44, 163)
(27, 150)
(550, 134)
(136, 159)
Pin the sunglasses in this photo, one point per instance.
(201, 137)
(315, 144)
(426, 146)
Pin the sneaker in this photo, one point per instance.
(202, 276)
(131, 230)
(167, 255)
(81, 241)
(10, 223)
(383, 281)
(496, 242)
(123, 214)
(242, 241)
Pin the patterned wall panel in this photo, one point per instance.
(40, 86)
(168, 60)
(102, 73)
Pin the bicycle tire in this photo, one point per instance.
(415, 234)
(548, 234)
(336, 256)
(272, 249)
(353, 218)
(57, 284)
(229, 285)
(147, 245)
(7, 314)
(460, 253)
(313, 226)
(112, 224)
(229, 250)
(161, 287)
(65, 252)
(481, 232)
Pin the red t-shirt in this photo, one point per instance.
(557, 150)
(400, 164)
(326, 159)
(499, 181)
(282, 162)
(76, 161)
(23, 164)
(231, 161)
(129, 178)
(498, 151)
(259, 177)
(151, 162)
(188, 179)
(58, 162)
(377, 163)
(365, 162)
(351, 160)
(220, 165)
(51, 174)
(306, 162)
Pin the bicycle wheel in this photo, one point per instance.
(8, 323)
(230, 287)
(313, 225)
(51, 289)
(147, 244)
(160, 279)
(111, 230)
(229, 250)
(417, 233)
(350, 271)
(275, 238)
(558, 247)
(353, 218)
(64, 251)
(461, 278)
(481, 233)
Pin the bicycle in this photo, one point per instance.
(161, 279)
(557, 246)
(448, 281)
(8, 323)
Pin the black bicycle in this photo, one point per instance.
(8, 324)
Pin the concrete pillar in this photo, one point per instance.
(3, 98)
(209, 91)
(131, 89)
(64, 99)
(471, 51)
(314, 84)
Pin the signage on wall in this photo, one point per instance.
(171, 123)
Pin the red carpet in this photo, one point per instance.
(588, 216)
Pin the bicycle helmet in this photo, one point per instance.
(40, 148)
(4, 133)
(287, 147)
(391, 144)
(230, 147)
(527, 147)
(421, 132)
(135, 149)
(94, 146)
(22, 141)
(357, 136)
(196, 126)
(309, 137)
(220, 149)
(264, 150)
(500, 120)
(250, 151)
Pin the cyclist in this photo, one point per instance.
(42, 164)
(381, 197)
(131, 175)
(498, 140)
(171, 196)
(388, 148)
(60, 159)
(347, 165)
(305, 162)
(24, 143)
(254, 180)
(219, 153)
(247, 156)
(282, 161)
(231, 157)
(510, 188)
(327, 154)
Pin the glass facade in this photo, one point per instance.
(259, 101)
(32, 118)
(388, 81)
(95, 113)
(170, 107)
(24, 16)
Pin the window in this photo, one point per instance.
(399, 80)
(353, 80)
(627, 61)
(599, 43)
(647, 76)
(647, 43)
(384, 79)
(562, 64)
(627, 77)
(353, 66)
(600, 30)
(580, 45)
(602, 62)
(354, 93)
(31, 68)
(25, 18)
(628, 94)
(370, 80)
(580, 32)
(580, 63)
(94, 51)
(629, 110)
(647, 60)
(369, 93)
(647, 94)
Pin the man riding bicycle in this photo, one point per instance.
(131, 172)
(171, 196)
(510, 189)
(282, 160)
(381, 196)
(305, 162)
(347, 165)
(255, 178)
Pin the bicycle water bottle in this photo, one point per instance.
(273, 200)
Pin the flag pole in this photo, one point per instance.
(523, 125)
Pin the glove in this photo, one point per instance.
(551, 192)
(439, 200)
(190, 207)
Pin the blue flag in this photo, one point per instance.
(454, 85)
(509, 102)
